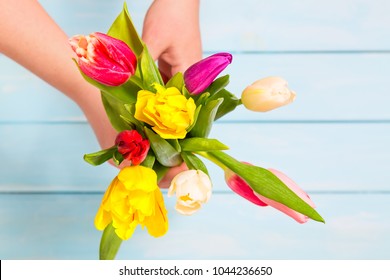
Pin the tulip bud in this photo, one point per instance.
(239, 186)
(300, 218)
(267, 94)
(132, 146)
(193, 188)
(103, 58)
(201, 74)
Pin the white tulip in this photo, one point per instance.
(267, 94)
(193, 188)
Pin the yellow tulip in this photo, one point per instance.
(133, 198)
(168, 111)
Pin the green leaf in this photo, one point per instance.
(100, 157)
(201, 98)
(196, 115)
(230, 102)
(109, 243)
(186, 93)
(116, 112)
(197, 144)
(130, 119)
(165, 153)
(267, 184)
(129, 122)
(160, 170)
(149, 161)
(149, 71)
(218, 84)
(175, 143)
(117, 158)
(205, 119)
(193, 162)
(123, 29)
(176, 81)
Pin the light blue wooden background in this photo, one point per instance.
(333, 140)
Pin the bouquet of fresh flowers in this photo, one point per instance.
(165, 124)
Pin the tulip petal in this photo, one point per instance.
(103, 58)
(300, 218)
(133, 198)
(193, 188)
(267, 94)
(201, 74)
(239, 186)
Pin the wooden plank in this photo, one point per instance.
(25, 97)
(319, 157)
(296, 25)
(325, 157)
(50, 157)
(253, 25)
(228, 227)
(329, 87)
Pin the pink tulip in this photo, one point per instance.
(239, 186)
(103, 58)
(201, 74)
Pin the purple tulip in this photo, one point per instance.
(201, 74)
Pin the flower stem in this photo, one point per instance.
(109, 243)
(212, 159)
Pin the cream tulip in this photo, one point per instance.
(267, 94)
(193, 188)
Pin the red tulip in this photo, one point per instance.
(132, 146)
(239, 186)
(201, 74)
(103, 58)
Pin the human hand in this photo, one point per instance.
(172, 33)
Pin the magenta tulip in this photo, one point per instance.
(103, 58)
(239, 186)
(201, 74)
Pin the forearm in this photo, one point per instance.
(30, 37)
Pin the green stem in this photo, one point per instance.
(212, 159)
(109, 243)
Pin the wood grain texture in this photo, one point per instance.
(320, 157)
(253, 24)
(328, 87)
(333, 140)
(53, 226)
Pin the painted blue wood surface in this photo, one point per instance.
(254, 25)
(333, 140)
(51, 226)
(319, 156)
(328, 86)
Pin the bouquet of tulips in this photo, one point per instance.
(166, 124)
